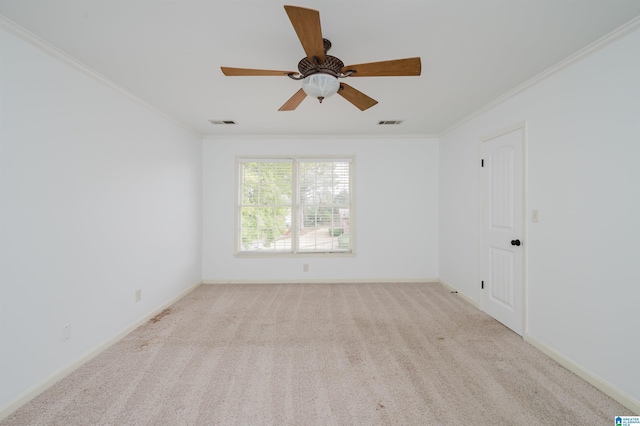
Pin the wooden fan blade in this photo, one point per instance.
(234, 72)
(294, 101)
(356, 97)
(396, 67)
(306, 22)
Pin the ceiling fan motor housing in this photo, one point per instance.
(331, 65)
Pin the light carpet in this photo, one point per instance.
(321, 354)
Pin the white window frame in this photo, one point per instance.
(295, 206)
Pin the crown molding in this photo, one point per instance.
(607, 39)
(48, 48)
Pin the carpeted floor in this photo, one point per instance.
(321, 354)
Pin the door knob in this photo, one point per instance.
(515, 242)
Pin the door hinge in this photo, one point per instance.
(482, 163)
(482, 285)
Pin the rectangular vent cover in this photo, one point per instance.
(222, 122)
(385, 122)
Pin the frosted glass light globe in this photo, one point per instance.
(320, 85)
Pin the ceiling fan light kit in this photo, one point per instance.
(320, 72)
(320, 86)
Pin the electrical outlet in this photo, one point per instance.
(138, 296)
(534, 216)
(305, 267)
(66, 332)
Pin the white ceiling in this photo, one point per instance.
(169, 52)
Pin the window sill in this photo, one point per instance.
(258, 254)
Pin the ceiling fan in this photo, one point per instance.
(320, 72)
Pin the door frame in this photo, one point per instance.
(525, 229)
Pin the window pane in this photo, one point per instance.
(266, 183)
(324, 229)
(341, 183)
(324, 201)
(250, 178)
(324, 182)
(275, 183)
(265, 228)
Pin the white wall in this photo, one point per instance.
(584, 178)
(98, 197)
(396, 212)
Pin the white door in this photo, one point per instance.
(502, 229)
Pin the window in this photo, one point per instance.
(295, 205)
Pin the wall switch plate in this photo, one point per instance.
(305, 267)
(534, 216)
(138, 296)
(66, 332)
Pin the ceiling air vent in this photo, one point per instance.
(385, 122)
(222, 122)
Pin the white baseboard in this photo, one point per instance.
(37, 389)
(608, 389)
(325, 281)
(464, 296)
